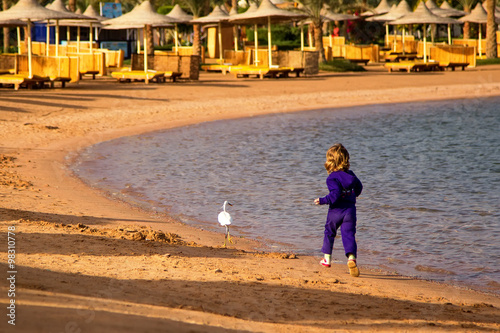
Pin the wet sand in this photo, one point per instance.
(90, 263)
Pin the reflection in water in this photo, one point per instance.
(430, 173)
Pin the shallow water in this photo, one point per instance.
(431, 176)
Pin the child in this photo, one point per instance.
(344, 187)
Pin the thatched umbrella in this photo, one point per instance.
(382, 8)
(92, 13)
(267, 12)
(422, 15)
(252, 8)
(181, 16)
(402, 9)
(478, 15)
(332, 17)
(218, 15)
(59, 6)
(141, 16)
(449, 11)
(434, 8)
(29, 11)
(497, 10)
(12, 23)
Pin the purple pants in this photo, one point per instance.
(345, 218)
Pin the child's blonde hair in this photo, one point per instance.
(337, 158)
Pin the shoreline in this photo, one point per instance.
(57, 197)
(439, 276)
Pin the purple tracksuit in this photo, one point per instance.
(344, 187)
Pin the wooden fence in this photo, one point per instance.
(353, 52)
(475, 43)
(453, 54)
(53, 67)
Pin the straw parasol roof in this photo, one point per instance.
(434, 8)
(267, 11)
(180, 15)
(33, 11)
(91, 12)
(329, 16)
(423, 15)
(141, 15)
(497, 10)
(382, 8)
(59, 6)
(450, 11)
(233, 11)
(477, 15)
(252, 8)
(217, 15)
(402, 9)
(12, 23)
(91, 17)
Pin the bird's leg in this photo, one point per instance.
(226, 236)
(229, 237)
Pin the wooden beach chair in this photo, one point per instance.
(133, 75)
(412, 66)
(264, 71)
(20, 80)
(173, 76)
(445, 65)
(93, 73)
(59, 79)
(224, 68)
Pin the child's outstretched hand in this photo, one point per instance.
(316, 201)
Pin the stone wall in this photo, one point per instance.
(189, 65)
(7, 61)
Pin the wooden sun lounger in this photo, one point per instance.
(62, 80)
(172, 75)
(400, 57)
(412, 66)
(139, 76)
(93, 73)
(261, 71)
(444, 65)
(18, 80)
(217, 68)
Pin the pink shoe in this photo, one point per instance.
(324, 263)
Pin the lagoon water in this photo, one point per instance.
(431, 176)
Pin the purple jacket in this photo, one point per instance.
(344, 187)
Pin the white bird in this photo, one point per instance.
(225, 220)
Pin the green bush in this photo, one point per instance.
(286, 37)
(495, 61)
(341, 65)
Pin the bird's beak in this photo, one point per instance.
(230, 204)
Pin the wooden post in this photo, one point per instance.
(425, 43)
(256, 44)
(269, 40)
(221, 51)
(57, 38)
(145, 53)
(47, 39)
(30, 56)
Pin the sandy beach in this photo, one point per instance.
(88, 263)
